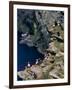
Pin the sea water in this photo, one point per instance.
(26, 54)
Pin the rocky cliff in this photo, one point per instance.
(44, 30)
(35, 26)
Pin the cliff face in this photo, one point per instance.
(35, 26)
(44, 30)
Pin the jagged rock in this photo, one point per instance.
(27, 40)
(51, 30)
(52, 49)
(38, 71)
(26, 74)
(59, 54)
(47, 36)
(59, 58)
(38, 23)
(53, 73)
(21, 74)
(48, 68)
(58, 71)
(59, 38)
(62, 47)
(42, 65)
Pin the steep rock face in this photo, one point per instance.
(52, 65)
(36, 24)
(38, 71)
(49, 18)
(48, 36)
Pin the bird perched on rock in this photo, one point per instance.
(37, 61)
(28, 64)
(58, 23)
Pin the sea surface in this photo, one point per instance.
(26, 54)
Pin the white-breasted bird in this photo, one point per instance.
(58, 23)
(37, 61)
(53, 25)
(28, 64)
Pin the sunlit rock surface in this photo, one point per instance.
(37, 24)
(48, 36)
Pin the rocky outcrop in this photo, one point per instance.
(48, 37)
(37, 24)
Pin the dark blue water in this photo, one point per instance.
(26, 54)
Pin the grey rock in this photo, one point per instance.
(37, 23)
